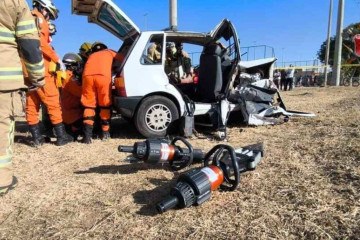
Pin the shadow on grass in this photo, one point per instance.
(121, 128)
(149, 198)
(123, 169)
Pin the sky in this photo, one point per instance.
(295, 29)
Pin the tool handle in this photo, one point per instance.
(184, 161)
(198, 155)
(127, 149)
(214, 154)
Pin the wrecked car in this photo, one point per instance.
(146, 93)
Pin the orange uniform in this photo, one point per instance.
(49, 94)
(72, 110)
(96, 89)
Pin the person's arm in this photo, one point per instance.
(29, 45)
(47, 50)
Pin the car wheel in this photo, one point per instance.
(155, 115)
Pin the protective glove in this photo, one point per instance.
(61, 65)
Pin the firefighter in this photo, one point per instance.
(85, 51)
(178, 64)
(44, 10)
(96, 91)
(18, 36)
(72, 110)
(154, 52)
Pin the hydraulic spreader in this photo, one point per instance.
(195, 186)
(161, 151)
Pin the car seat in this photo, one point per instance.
(210, 74)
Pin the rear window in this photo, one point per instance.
(113, 20)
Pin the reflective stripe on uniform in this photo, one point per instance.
(6, 35)
(6, 159)
(24, 27)
(35, 68)
(9, 150)
(11, 73)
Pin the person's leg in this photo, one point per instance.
(103, 88)
(292, 84)
(88, 100)
(32, 117)
(7, 128)
(50, 96)
(46, 122)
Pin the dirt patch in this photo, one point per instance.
(306, 187)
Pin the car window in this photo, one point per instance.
(113, 20)
(152, 53)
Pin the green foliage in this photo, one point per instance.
(347, 54)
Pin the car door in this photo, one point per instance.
(108, 15)
(225, 31)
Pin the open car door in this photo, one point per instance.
(225, 33)
(107, 15)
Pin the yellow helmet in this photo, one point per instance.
(85, 47)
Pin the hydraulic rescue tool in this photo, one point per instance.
(194, 187)
(161, 151)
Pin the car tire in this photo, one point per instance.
(155, 115)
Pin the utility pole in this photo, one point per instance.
(338, 44)
(328, 42)
(173, 15)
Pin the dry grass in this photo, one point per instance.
(307, 186)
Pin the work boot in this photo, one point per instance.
(88, 131)
(105, 135)
(38, 139)
(5, 190)
(62, 137)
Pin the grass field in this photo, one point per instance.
(306, 187)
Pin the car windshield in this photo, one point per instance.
(115, 22)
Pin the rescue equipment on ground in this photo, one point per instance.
(187, 122)
(161, 151)
(195, 186)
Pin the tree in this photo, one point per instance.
(347, 54)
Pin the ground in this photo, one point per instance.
(306, 187)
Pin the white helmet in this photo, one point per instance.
(49, 6)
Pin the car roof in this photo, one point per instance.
(188, 37)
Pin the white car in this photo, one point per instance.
(144, 92)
